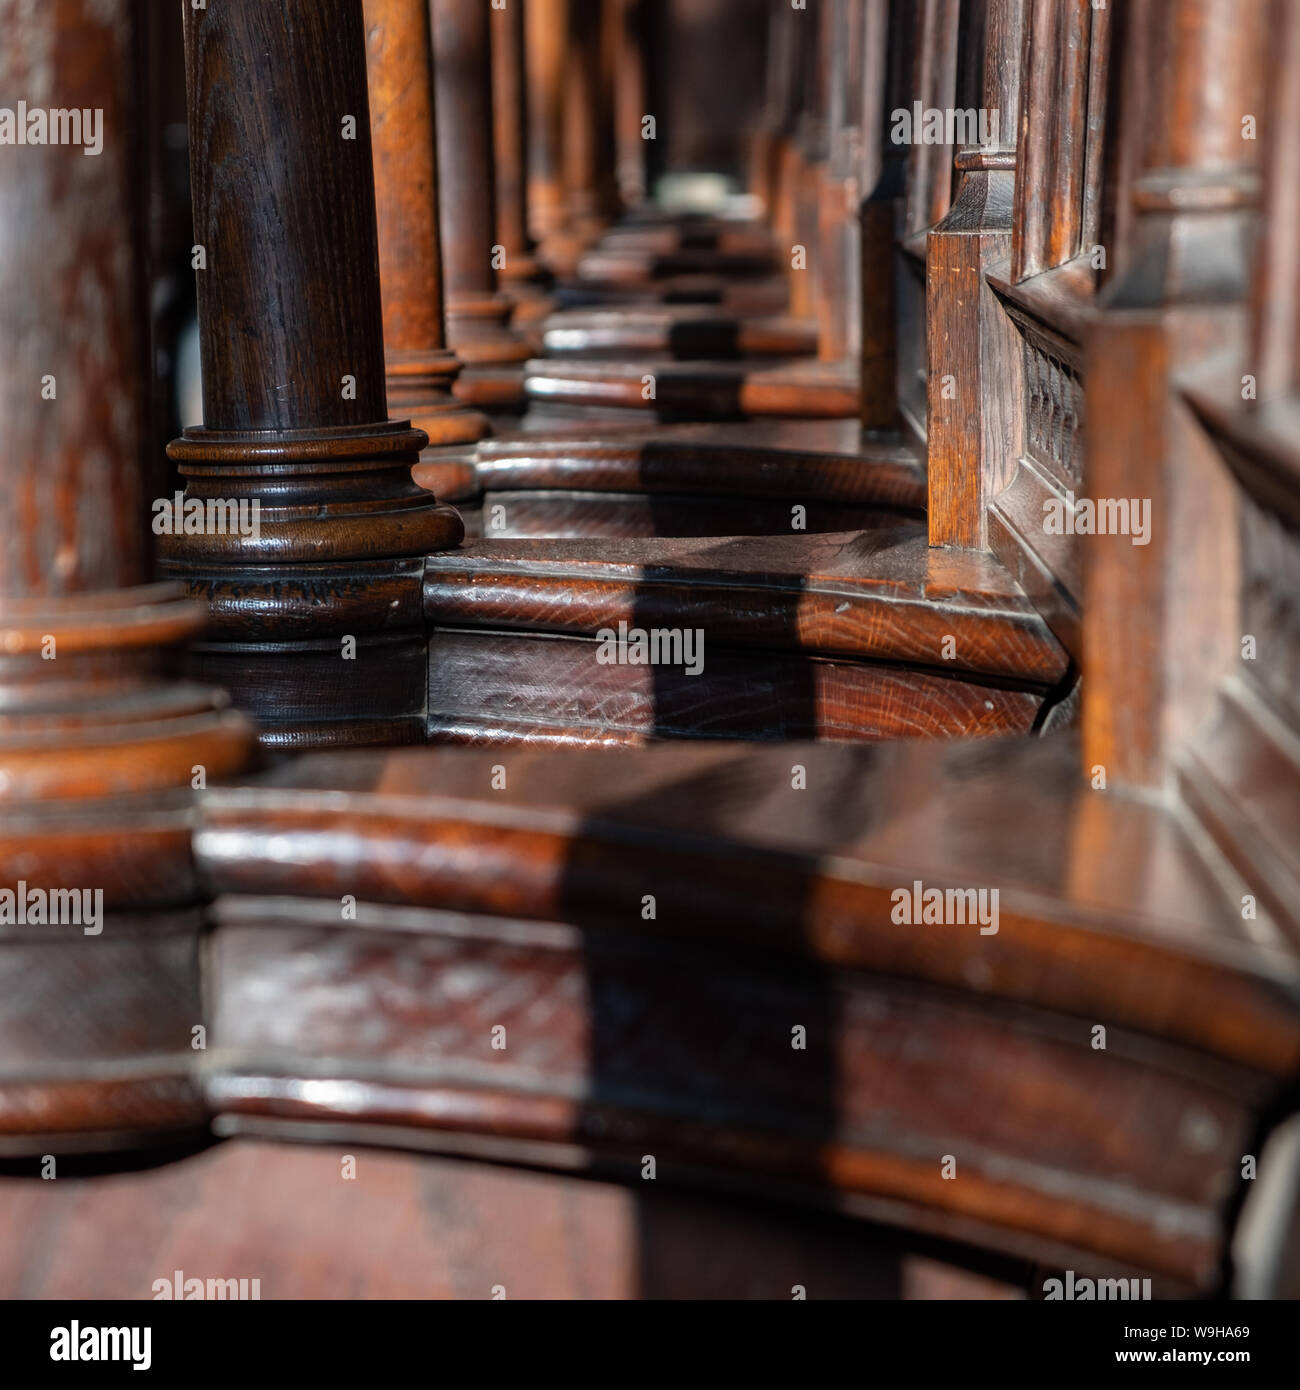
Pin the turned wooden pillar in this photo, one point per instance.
(478, 314)
(99, 745)
(785, 42)
(588, 124)
(1275, 286)
(316, 617)
(630, 97)
(1161, 622)
(546, 46)
(520, 271)
(806, 155)
(420, 369)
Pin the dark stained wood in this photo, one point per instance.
(546, 34)
(973, 432)
(886, 282)
(521, 273)
(1275, 286)
(1117, 874)
(509, 146)
(551, 691)
(795, 461)
(816, 427)
(678, 480)
(590, 194)
(478, 314)
(1102, 871)
(700, 390)
(1047, 286)
(100, 745)
(881, 593)
(1239, 773)
(1171, 627)
(66, 444)
(1052, 140)
(576, 515)
(628, 70)
(420, 369)
(295, 411)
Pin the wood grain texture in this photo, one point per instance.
(974, 426)
(576, 515)
(492, 688)
(813, 460)
(589, 1078)
(882, 594)
(100, 743)
(700, 390)
(1115, 889)
(337, 505)
(510, 147)
(72, 312)
(1113, 886)
(291, 235)
(676, 895)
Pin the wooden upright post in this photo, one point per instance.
(521, 271)
(546, 44)
(420, 368)
(1161, 622)
(974, 419)
(316, 607)
(631, 94)
(100, 748)
(478, 314)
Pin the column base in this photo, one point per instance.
(317, 620)
(101, 751)
(420, 387)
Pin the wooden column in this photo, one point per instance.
(99, 746)
(764, 146)
(420, 369)
(807, 155)
(478, 314)
(588, 124)
(546, 37)
(317, 614)
(1161, 619)
(1275, 287)
(631, 95)
(521, 272)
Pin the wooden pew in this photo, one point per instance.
(710, 956)
(723, 389)
(842, 621)
(884, 398)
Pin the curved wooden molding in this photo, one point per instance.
(1095, 891)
